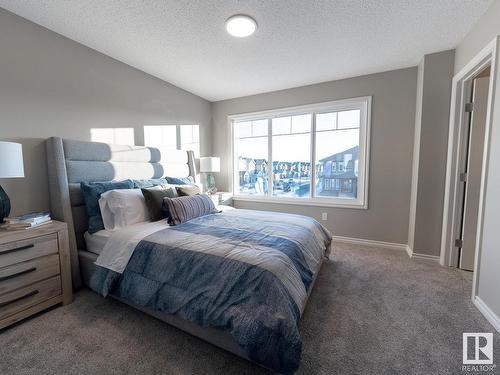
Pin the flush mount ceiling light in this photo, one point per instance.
(241, 25)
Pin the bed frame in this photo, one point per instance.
(71, 162)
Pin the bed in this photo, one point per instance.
(271, 269)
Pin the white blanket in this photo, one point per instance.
(121, 245)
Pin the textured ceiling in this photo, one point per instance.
(298, 42)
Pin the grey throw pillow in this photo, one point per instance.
(154, 200)
(186, 208)
(187, 190)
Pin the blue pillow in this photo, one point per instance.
(180, 181)
(140, 184)
(92, 192)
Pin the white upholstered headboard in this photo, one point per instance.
(71, 162)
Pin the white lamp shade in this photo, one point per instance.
(11, 160)
(209, 164)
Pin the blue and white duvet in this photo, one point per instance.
(245, 272)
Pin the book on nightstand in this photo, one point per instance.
(32, 220)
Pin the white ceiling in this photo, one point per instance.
(298, 42)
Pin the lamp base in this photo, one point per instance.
(4, 204)
(211, 189)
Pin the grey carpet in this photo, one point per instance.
(373, 311)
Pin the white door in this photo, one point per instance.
(473, 173)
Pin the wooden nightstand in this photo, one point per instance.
(35, 271)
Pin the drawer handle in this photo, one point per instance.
(30, 294)
(18, 249)
(18, 274)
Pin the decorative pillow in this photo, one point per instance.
(186, 208)
(139, 184)
(154, 200)
(187, 190)
(180, 181)
(122, 208)
(92, 192)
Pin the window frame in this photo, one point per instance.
(363, 103)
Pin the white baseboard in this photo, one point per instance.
(409, 251)
(386, 245)
(493, 318)
(363, 242)
(411, 254)
(433, 258)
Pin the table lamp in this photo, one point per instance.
(11, 166)
(210, 165)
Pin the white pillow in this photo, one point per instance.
(123, 207)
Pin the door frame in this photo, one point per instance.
(461, 81)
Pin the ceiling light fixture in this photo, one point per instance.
(241, 25)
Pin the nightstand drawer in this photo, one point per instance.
(21, 274)
(20, 299)
(20, 251)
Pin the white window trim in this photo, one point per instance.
(361, 202)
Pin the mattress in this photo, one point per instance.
(96, 242)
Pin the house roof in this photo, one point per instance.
(339, 156)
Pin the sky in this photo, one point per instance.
(297, 147)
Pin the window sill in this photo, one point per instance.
(354, 204)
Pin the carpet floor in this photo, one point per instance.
(373, 311)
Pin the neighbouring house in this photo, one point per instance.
(250, 170)
(338, 174)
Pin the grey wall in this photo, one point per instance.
(433, 109)
(487, 28)
(393, 120)
(50, 85)
(416, 154)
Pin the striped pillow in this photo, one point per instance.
(186, 208)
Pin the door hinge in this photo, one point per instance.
(469, 107)
(463, 177)
(459, 243)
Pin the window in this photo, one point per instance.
(252, 168)
(120, 136)
(315, 154)
(291, 145)
(173, 137)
